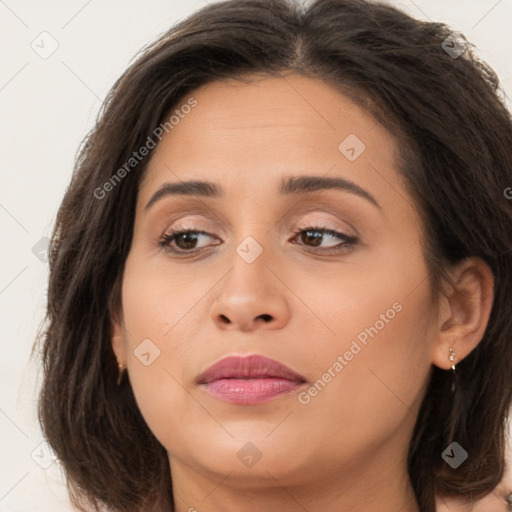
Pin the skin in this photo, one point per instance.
(350, 441)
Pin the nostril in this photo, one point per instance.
(225, 319)
(266, 317)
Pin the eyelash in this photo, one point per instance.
(347, 241)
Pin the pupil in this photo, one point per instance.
(317, 240)
(191, 239)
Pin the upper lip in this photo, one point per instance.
(243, 367)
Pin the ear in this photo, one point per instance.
(117, 340)
(464, 311)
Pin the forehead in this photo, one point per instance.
(257, 132)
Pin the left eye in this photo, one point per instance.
(312, 237)
(317, 235)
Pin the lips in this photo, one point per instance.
(249, 380)
(248, 367)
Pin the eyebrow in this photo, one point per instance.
(289, 185)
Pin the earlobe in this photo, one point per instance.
(117, 341)
(117, 329)
(466, 310)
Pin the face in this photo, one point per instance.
(323, 275)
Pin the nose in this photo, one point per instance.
(252, 296)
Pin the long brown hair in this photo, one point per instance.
(455, 139)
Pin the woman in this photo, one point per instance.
(281, 275)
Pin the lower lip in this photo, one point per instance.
(251, 391)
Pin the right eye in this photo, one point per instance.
(185, 240)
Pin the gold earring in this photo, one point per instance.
(452, 358)
(120, 373)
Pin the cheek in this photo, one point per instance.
(156, 301)
(383, 304)
(374, 368)
(158, 330)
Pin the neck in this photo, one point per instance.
(383, 487)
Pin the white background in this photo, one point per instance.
(47, 106)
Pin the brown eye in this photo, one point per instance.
(185, 240)
(315, 236)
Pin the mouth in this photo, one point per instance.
(249, 380)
